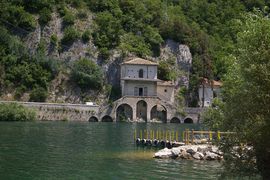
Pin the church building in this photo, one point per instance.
(139, 78)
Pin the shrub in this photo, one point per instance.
(16, 112)
(82, 14)
(70, 35)
(69, 18)
(165, 72)
(38, 95)
(45, 16)
(54, 39)
(87, 74)
(19, 92)
(104, 54)
(86, 35)
(19, 17)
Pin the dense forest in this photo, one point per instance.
(208, 27)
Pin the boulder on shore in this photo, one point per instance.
(197, 152)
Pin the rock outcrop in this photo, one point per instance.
(197, 152)
(183, 59)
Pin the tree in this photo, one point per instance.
(38, 94)
(246, 97)
(87, 74)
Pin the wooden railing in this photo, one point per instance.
(187, 136)
(191, 137)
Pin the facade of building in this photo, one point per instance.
(208, 90)
(145, 98)
(139, 78)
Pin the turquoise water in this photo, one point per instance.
(82, 150)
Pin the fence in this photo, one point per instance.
(187, 136)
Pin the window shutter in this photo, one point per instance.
(145, 91)
(136, 91)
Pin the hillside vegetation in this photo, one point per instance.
(138, 27)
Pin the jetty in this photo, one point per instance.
(171, 138)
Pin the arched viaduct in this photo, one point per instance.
(145, 109)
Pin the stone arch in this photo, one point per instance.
(159, 113)
(175, 120)
(124, 112)
(93, 119)
(141, 110)
(107, 118)
(141, 73)
(188, 120)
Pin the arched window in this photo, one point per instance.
(141, 73)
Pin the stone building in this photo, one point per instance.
(208, 90)
(139, 78)
(145, 98)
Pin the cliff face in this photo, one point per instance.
(183, 59)
(62, 89)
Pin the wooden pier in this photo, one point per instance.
(171, 138)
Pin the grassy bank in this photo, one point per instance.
(16, 112)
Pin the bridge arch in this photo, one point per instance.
(188, 120)
(124, 112)
(107, 118)
(175, 120)
(159, 113)
(93, 119)
(141, 110)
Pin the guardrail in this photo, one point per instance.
(187, 136)
(194, 137)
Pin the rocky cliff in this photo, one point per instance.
(63, 90)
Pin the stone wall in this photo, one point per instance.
(56, 112)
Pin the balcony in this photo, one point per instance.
(139, 79)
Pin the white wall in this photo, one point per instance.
(208, 96)
(132, 71)
(166, 93)
(129, 86)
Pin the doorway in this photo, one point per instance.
(140, 91)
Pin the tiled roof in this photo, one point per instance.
(140, 61)
(165, 83)
(213, 83)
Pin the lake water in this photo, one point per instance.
(82, 150)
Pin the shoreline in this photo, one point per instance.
(191, 152)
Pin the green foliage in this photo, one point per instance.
(70, 35)
(45, 16)
(104, 53)
(42, 46)
(38, 94)
(87, 74)
(18, 17)
(21, 71)
(134, 44)
(165, 71)
(246, 96)
(69, 18)
(108, 31)
(54, 39)
(16, 112)
(86, 35)
(82, 14)
(214, 116)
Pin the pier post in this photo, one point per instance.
(210, 135)
(183, 136)
(192, 136)
(187, 136)
(135, 134)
